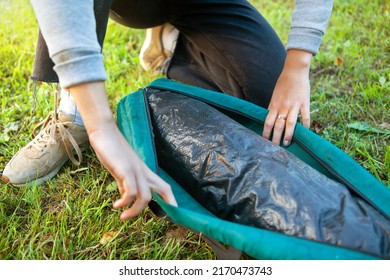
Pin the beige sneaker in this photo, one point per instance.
(43, 157)
(158, 47)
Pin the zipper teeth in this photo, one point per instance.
(323, 163)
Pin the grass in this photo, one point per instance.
(71, 216)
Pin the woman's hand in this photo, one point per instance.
(291, 96)
(135, 180)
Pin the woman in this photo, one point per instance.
(224, 45)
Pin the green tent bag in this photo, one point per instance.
(134, 122)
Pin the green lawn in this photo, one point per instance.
(71, 216)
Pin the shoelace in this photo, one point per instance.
(51, 124)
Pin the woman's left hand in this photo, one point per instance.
(290, 98)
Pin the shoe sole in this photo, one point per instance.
(154, 37)
(147, 43)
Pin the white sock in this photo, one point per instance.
(68, 106)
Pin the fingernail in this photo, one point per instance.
(286, 143)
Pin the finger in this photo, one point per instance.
(139, 205)
(164, 190)
(305, 112)
(269, 124)
(143, 198)
(279, 128)
(290, 125)
(127, 188)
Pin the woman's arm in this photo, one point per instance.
(291, 95)
(135, 180)
(69, 30)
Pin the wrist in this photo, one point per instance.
(92, 102)
(298, 61)
(96, 134)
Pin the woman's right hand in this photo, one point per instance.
(135, 180)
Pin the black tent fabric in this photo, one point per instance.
(242, 177)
